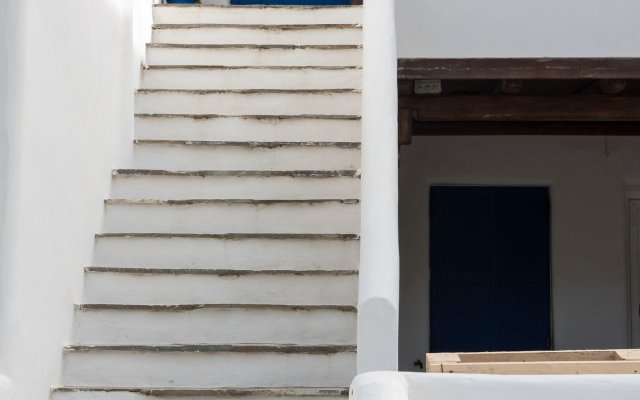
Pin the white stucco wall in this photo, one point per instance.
(588, 218)
(421, 386)
(70, 68)
(523, 28)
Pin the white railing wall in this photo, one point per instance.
(379, 259)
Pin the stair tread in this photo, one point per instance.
(248, 116)
(192, 307)
(233, 236)
(251, 144)
(249, 91)
(282, 27)
(257, 67)
(255, 6)
(214, 348)
(257, 46)
(253, 202)
(225, 391)
(266, 174)
(220, 272)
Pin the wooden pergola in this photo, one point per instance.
(523, 96)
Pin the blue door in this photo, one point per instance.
(294, 2)
(490, 269)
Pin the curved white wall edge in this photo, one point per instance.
(379, 254)
(423, 386)
(6, 388)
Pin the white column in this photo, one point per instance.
(379, 259)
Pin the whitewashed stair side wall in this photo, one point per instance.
(228, 262)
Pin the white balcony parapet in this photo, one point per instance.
(379, 258)
(419, 386)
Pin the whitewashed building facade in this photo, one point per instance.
(210, 201)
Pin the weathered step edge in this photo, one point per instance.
(218, 272)
(287, 27)
(256, 117)
(232, 236)
(257, 46)
(251, 202)
(255, 6)
(256, 67)
(218, 348)
(263, 174)
(250, 144)
(217, 392)
(249, 91)
(193, 307)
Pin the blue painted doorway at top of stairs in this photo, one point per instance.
(293, 2)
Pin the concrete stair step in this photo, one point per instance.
(225, 77)
(258, 185)
(206, 366)
(167, 14)
(260, 34)
(225, 216)
(137, 393)
(311, 128)
(267, 288)
(233, 251)
(248, 102)
(119, 324)
(254, 55)
(268, 156)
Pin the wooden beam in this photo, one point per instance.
(474, 128)
(524, 108)
(405, 125)
(519, 68)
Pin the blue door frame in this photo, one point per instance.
(293, 2)
(490, 269)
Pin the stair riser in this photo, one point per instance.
(303, 57)
(251, 15)
(244, 129)
(223, 79)
(138, 396)
(104, 288)
(249, 254)
(231, 35)
(233, 218)
(207, 369)
(234, 158)
(213, 326)
(248, 104)
(229, 187)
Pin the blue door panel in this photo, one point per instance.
(489, 260)
(294, 2)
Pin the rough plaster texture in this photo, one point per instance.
(525, 28)
(69, 69)
(418, 386)
(588, 219)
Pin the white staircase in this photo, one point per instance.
(227, 265)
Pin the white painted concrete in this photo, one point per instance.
(249, 254)
(251, 78)
(308, 35)
(589, 266)
(315, 289)
(204, 369)
(330, 217)
(196, 157)
(231, 103)
(525, 28)
(418, 386)
(229, 187)
(379, 270)
(259, 56)
(257, 15)
(291, 394)
(248, 129)
(69, 69)
(215, 326)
